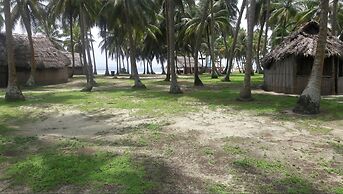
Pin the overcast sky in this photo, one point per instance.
(100, 57)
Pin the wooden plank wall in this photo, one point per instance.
(279, 78)
(327, 84)
(340, 86)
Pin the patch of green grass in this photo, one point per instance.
(235, 150)
(338, 190)
(49, 171)
(218, 189)
(15, 147)
(5, 129)
(208, 151)
(332, 167)
(295, 185)
(338, 147)
(265, 165)
(168, 152)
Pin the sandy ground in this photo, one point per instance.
(184, 138)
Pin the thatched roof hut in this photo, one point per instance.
(51, 63)
(304, 42)
(78, 64)
(288, 66)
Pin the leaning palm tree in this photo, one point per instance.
(309, 101)
(234, 42)
(29, 12)
(174, 86)
(13, 93)
(245, 93)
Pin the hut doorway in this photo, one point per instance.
(3, 76)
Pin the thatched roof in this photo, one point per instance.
(303, 43)
(76, 57)
(46, 55)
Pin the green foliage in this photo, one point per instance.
(248, 163)
(218, 189)
(235, 150)
(338, 190)
(47, 171)
(295, 185)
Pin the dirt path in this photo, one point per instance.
(234, 149)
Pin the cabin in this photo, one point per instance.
(78, 69)
(51, 63)
(287, 68)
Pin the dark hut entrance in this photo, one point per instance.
(3, 76)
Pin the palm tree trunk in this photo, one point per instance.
(151, 69)
(197, 80)
(107, 72)
(234, 43)
(174, 86)
(88, 64)
(162, 67)
(168, 57)
(72, 41)
(309, 101)
(138, 84)
(93, 53)
(13, 93)
(31, 81)
(334, 33)
(91, 75)
(245, 93)
(185, 65)
(334, 18)
(258, 62)
(190, 64)
(147, 67)
(226, 51)
(214, 74)
(127, 64)
(117, 60)
(267, 28)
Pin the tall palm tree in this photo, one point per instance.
(13, 93)
(245, 94)
(69, 11)
(2, 20)
(309, 100)
(134, 16)
(29, 12)
(234, 42)
(334, 17)
(174, 86)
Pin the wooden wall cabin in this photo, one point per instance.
(291, 75)
(288, 66)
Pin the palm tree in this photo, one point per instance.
(88, 9)
(245, 94)
(134, 16)
(334, 17)
(69, 11)
(234, 43)
(50, 29)
(309, 100)
(174, 86)
(2, 20)
(29, 11)
(13, 93)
